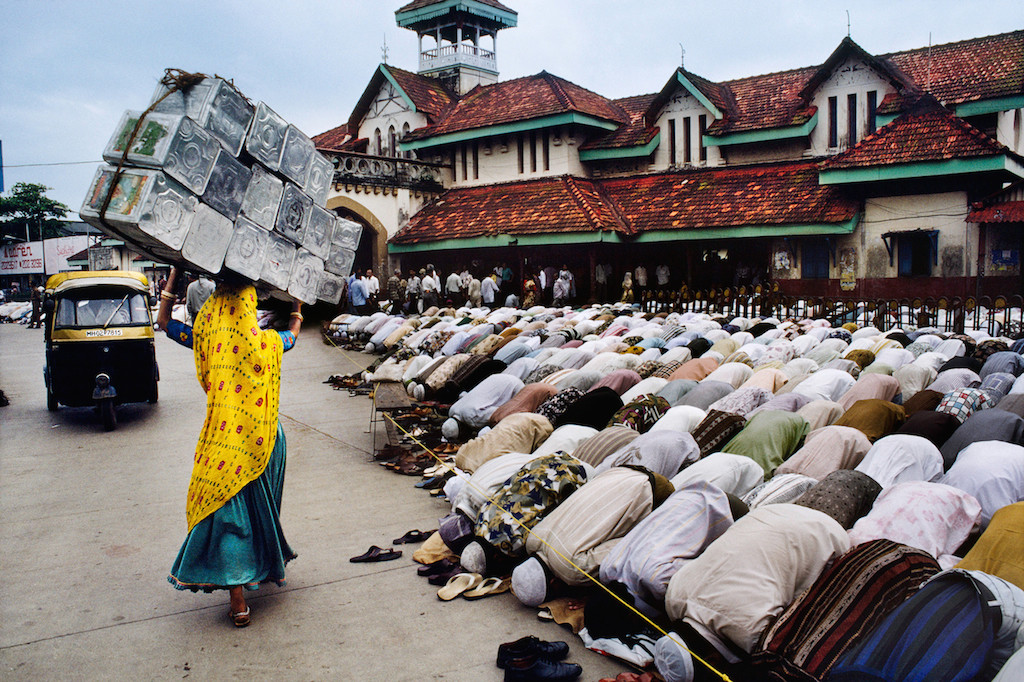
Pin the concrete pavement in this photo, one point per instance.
(90, 522)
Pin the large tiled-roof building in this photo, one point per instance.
(838, 179)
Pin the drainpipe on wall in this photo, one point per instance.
(982, 234)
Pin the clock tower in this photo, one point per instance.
(451, 33)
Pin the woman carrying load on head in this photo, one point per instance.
(235, 540)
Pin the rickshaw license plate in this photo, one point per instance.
(104, 332)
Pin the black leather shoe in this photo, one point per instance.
(531, 647)
(520, 670)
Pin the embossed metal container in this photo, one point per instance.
(277, 264)
(247, 249)
(320, 179)
(128, 200)
(339, 260)
(319, 231)
(168, 215)
(214, 104)
(296, 156)
(175, 144)
(347, 234)
(227, 115)
(185, 102)
(293, 215)
(262, 197)
(226, 187)
(331, 288)
(207, 241)
(148, 210)
(305, 279)
(265, 141)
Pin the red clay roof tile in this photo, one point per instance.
(779, 194)
(428, 94)
(332, 140)
(521, 99)
(550, 205)
(1003, 212)
(929, 133)
(636, 133)
(969, 70)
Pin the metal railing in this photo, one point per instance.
(997, 315)
(386, 171)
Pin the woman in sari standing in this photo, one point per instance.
(235, 540)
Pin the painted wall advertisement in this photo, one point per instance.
(36, 258)
(848, 269)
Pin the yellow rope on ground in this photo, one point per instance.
(491, 500)
(697, 658)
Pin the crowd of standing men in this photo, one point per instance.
(421, 289)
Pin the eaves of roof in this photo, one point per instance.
(927, 141)
(749, 201)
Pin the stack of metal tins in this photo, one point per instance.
(211, 181)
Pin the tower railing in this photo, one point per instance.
(460, 53)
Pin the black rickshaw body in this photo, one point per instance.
(100, 347)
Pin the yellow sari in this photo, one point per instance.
(238, 365)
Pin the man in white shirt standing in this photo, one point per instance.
(662, 275)
(429, 286)
(372, 285)
(453, 288)
(640, 281)
(488, 289)
(412, 291)
(196, 294)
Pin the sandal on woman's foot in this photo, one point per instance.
(240, 619)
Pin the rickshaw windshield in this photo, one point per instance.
(101, 307)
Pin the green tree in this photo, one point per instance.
(29, 213)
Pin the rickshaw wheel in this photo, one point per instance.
(154, 393)
(108, 414)
(51, 400)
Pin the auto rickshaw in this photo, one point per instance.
(100, 346)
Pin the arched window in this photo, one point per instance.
(392, 142)
(405, 131)
(377, 143)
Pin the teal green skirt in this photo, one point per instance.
(242, 542)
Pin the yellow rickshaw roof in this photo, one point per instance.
(64, 281)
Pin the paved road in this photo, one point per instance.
(91, 521)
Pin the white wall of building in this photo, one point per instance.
(1010, 129)
(685, 111)
(853, 77)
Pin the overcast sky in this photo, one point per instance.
(69, 68)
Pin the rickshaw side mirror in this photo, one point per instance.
(152, 301)
(48, 305)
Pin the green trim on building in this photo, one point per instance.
(621, 152)
(568, 118)
(924, 169)
(750, 136)
(748, 232)
(653, 236)
(989, 106)
(439, 9)
(699, 96)
(394, 83)
(884, 119)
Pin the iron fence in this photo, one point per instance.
(997, 315)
